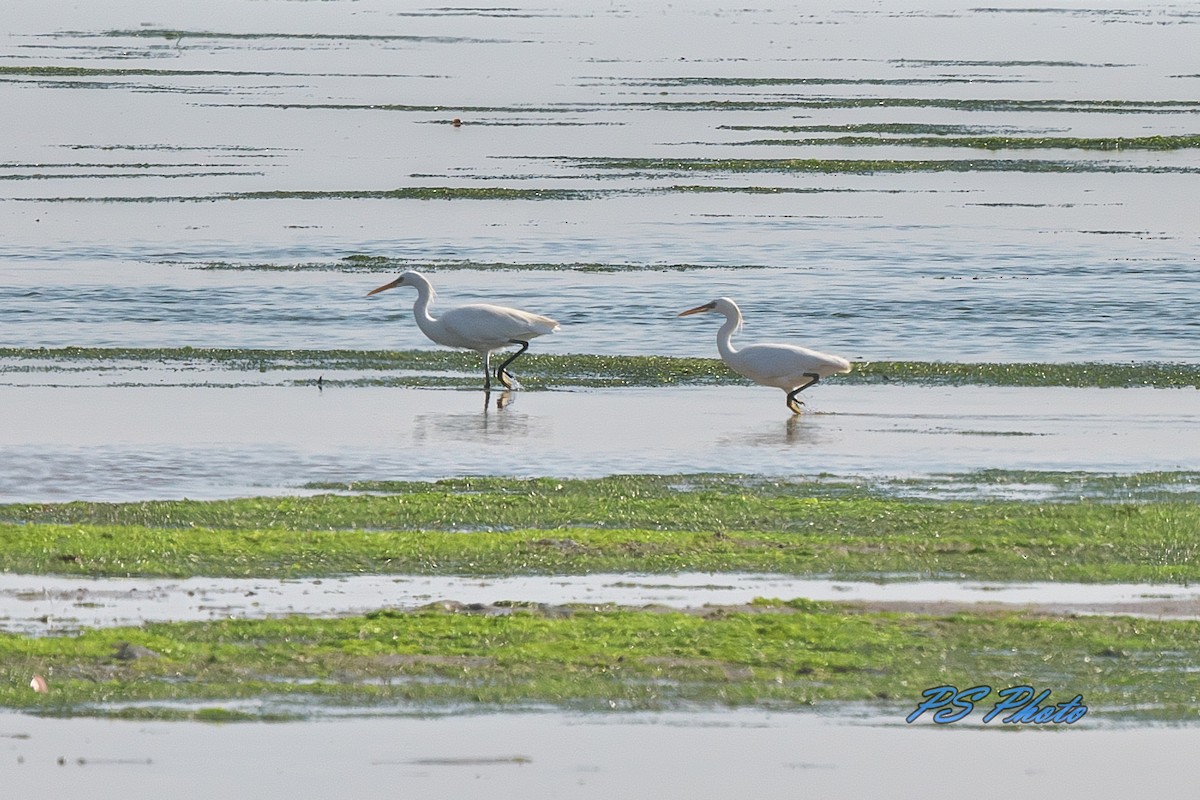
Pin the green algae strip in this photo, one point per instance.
(173, 34)
(540, 371)
(861, 166)
(361, 262)
(1010, 142)
(404, 193)
(644, 524)
(971, 105)
(784, 655)
(56, 71)
(982, 105)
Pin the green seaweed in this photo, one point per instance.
(1111, 143)
(406, 193)
(772, 654)
(978, 105)
(59, 71)
(177, 35)
(860, 166)
(902, 128)
(360, 262)
(656, 524)
(540, 370)
(683, 83)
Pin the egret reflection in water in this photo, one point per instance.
(502, 422)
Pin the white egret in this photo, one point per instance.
(481, 327)
(784, 366)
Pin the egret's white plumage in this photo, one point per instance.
(784, 366)
(481, 327)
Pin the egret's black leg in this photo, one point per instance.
(792, 402)
(502, 373)
(487, 373)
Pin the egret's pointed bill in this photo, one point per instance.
(697, 309)
(391, 285)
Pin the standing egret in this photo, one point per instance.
(784, 366)
(481, 327)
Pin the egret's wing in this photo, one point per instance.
(770, 363)
(496, 325)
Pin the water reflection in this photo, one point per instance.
(503, 400)
(497, 418)
(261, 440)
(798, 430)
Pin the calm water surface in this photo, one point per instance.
(118, 443)
(47, 604)
(731, 753)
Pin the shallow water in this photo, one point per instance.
(727, 754)
(114, 443)
(136, 160)
(48, 604)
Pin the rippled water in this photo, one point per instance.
(144, 130)
(220, 175)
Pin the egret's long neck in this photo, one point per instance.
(421, 306)
(725, 334)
